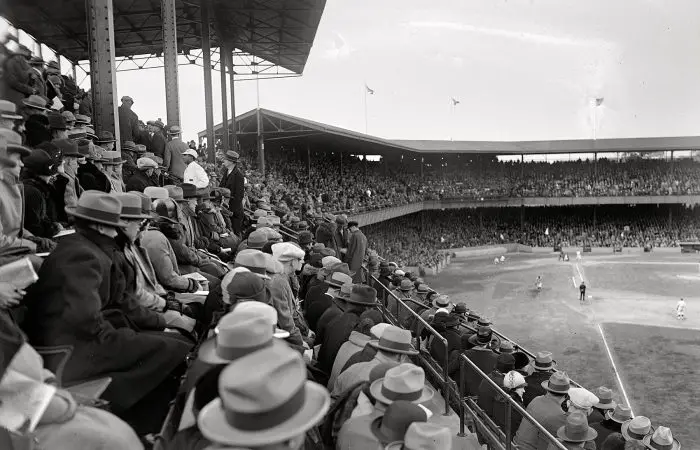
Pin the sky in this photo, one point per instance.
(520, 69)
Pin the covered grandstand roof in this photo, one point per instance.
(280, 125)
(279, 31)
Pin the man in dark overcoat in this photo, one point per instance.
(234, 181)
(357, 247)
(65, 308)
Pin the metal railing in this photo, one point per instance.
(510, 405)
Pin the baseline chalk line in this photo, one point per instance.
(617, 374)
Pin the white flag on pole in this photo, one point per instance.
(546, 232)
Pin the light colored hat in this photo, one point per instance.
(377, 330)
(424, 436)
(264, 398)
(236, 336)
(285, 251)
(174, 130)
(636, 429)
(191, 153)
(156, 193)
(442, 301)
(8, 110)
(338, 279)
(146, 163)
(403, 382)
(620, 414)
(582, 397)
(544, 361)
(329, 261)
(399, 272)
(576, 429)
(605, 398)
(253, 260)
(395, 340)
(558, 383)
(258, 309)
(131, 206)
(661, 439)
(98, 207)
(513, 380)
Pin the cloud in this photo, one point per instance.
(509, 34)
(339, 48)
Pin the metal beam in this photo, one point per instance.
(234, 136)
(208, 102)
(100, 16)
(172, 89)
(223, 57)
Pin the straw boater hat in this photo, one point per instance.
(636, 429)
(576, 429)
(424, 436)
(98, 207)
(395, 340)
(270, 404)
(661, 439)
(403, 382)
(263, 310)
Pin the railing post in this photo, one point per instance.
(509, 410)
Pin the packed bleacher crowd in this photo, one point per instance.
(413, 240)
(123, 274)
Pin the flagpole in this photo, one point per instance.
(365, 107)
(595, 120)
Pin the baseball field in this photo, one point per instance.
(626, 335)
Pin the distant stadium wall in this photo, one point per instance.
(490, 250)
(381, 215)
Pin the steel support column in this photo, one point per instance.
(261, 144)
(208, 102)
(229, 65)
(223, 57)
(103, 74)
(172, 90)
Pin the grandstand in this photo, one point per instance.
(135, 289)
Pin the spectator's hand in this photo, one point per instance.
(194, 286)
(10, 296)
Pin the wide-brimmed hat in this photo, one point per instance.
(482, 336)
(620, 414)
(155, 192)
(146, 204)
(344, 292)
(338, 279)
(13, 141)
(506, 347)
(605, 398)
(636, 429)
(36, 102)
(403, 382)
(363, 295)
(253, 260)
(131, 207)
(441, 301)
(394, 340)
(235, 337)
(558, 383)
(264, 398)
(8, 110)
(543, 361)
(231, 156)
(112, 158)
(175, 192)
(392, 426)
(259, 309)
(576, 429)
(105, 137)
(424, 436)
(189, 190)
(661, 439)
(98, 207)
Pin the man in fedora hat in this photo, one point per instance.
(89, 174)
(383, 430)
(65, 307)
(543, 366)
(234, 181)
(480, 354)
(172, 158)
(614, 418)
(128, 120)
(112, 163)
(636, 429)
(158, 140)
(393, 346)
(249, 414)
(105, 139)
(357, 247)
(361, 299)
(16, 77)
(320, 302)
(575, 432)
(547, 410)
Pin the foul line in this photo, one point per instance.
(579, 272)
(612, 361)
(573, 281)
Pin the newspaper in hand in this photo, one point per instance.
(23, 402)
(20, 273)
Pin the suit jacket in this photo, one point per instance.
(139, 181)
(484, 359)
(40, 216)
(356, 342)
(487, 395)
(547, 411)
(65, 307)
(534, 385)
(339, 331)
(91, 178)
(357, 247)
(158, 143)
(172, 159)
(128, 124)
(235, 182)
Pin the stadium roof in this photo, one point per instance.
(279, 31)
(278, 125)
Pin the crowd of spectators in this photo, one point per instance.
(135, 263)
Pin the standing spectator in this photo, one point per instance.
(194, 173)
(172, 159)
(36, 76)
(158, 140)
(128, 120)
(357, 247)
(233, 180)
(16, 79)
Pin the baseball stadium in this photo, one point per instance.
(279, 282)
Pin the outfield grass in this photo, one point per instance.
(658, 365)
